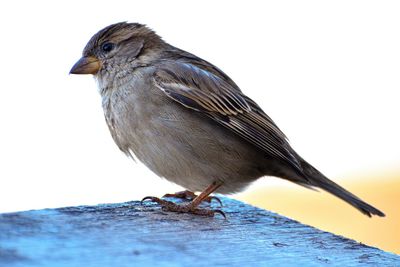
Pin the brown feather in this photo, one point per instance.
(220, 99)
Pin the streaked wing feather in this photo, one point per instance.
(201, 90)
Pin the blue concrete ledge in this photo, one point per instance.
(128, 234)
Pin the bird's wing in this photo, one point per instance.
(208, 92)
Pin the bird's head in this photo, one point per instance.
(118, 47)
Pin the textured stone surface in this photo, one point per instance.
(129, 234)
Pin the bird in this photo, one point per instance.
(188, 122)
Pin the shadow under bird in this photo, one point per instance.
(187, 121)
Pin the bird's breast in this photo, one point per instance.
(177, 143)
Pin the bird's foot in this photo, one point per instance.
(183, 208)
(189, 195)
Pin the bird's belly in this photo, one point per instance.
(185, 146)
(193, 157)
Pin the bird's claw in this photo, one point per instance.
(189, 195)
(183, 208)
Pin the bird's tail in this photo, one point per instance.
(317, 179)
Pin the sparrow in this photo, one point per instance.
(188, 122)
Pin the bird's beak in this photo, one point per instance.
(86, 65)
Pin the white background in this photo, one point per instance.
(326, 71)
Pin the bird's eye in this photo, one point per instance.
(107, 47)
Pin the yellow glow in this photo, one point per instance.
(328, 213)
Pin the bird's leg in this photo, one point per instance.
(189, 195)
(191, 207)
(205, 194)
